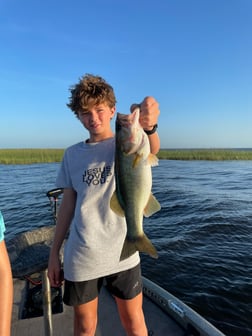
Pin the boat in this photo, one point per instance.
(38, 308)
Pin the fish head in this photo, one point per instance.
(129, 133)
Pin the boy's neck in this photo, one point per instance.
(99, 138)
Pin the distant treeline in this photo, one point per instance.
(30, 156)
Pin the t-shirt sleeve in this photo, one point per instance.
(63, 179)
(2, 227)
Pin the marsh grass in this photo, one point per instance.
(205, 154)
(32, 156)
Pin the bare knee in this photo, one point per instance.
(132, 316)
(85, 319)
(134, 325)
(84, 327)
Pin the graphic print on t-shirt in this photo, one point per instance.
(96, 176)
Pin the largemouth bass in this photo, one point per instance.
(132, 197)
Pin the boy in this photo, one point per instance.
(92, 251)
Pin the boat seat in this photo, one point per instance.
(29, 251)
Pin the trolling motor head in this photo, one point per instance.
(53, 195)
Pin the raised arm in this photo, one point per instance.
(149, 112)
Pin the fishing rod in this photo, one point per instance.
(53, 196)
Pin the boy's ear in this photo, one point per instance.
(113, 111)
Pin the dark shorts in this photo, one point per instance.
(125, 285)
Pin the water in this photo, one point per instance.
(203, 232)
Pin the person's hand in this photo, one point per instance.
(55, 273)
(149, 112)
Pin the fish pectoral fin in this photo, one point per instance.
(152, 160)
(137, 159)
(152, 206)
(115, 205)
(141, 244)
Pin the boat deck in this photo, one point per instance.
(158, 323)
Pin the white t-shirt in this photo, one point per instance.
(97, 234)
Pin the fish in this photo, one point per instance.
(132, 197)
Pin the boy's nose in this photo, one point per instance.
(93, 116)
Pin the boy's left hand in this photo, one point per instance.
(149, 112)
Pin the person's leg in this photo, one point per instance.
(132, 316)
(85, 318)
(83, 296)
(126, 287)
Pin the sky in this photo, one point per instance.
(193, 56)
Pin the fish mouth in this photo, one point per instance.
(127, 120)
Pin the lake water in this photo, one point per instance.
(203, 233)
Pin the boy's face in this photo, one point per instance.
(97, 121)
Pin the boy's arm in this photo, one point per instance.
(154, 143)
(149, 112)
(64, 218)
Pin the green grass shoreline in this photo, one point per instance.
(30, 156)
(33, 156)
(206, 154)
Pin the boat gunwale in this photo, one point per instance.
(178, 310)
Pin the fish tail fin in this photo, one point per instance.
(141, 244)
(128, 249)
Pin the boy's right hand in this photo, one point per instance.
(55, 272)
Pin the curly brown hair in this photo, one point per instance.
(90, 91)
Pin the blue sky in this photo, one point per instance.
(193, 56)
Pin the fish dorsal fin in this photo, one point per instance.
(115, 205)
(152, 206)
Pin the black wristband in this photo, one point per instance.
(153, 130)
